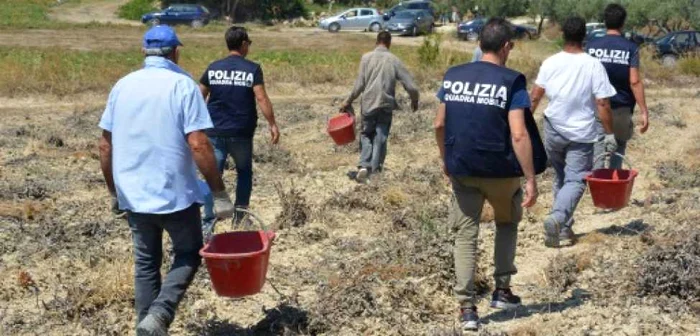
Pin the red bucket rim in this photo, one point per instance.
(265, 249)
(633, 174)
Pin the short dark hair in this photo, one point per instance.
(615, 16)
(495, 34)
(235, 36)
(384, 38)
(574, 29)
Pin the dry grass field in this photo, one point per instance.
(350, 259)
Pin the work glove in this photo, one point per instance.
(610, 143)
(223, 208)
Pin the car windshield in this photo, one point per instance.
(405, 15)
(475, 22)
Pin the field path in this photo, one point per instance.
(102, 11)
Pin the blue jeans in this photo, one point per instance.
(571, 161)
(155, 295)
(241, 150)
(373, 138)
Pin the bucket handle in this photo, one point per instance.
(260, 222)
(605, 155)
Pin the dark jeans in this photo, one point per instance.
(373, 138)
(241, 150)
(154, 295)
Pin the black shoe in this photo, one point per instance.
(469, 319)
(505, 299)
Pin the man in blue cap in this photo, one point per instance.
(151, 146)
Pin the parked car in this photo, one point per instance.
(470, 30)
(193, 15)
(591, 26)
(410, 5)
(677, 44)
(637, 38)
(354, 19)
(411, 22)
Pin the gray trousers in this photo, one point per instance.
(623, 128)
(571, 161)
(505, 196)
(373, 139)
(155, 295)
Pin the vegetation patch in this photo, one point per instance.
(672, 270)
(677, 175)
(134, 9)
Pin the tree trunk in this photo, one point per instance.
(539, 26)
(233, 11)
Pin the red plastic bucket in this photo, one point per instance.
(237, 261)
(342, 128)
(611, 188)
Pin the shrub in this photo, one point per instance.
(429, 51)
(689, 66)
(134, 9)
(672, 270)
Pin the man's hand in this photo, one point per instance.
(223, 208)
(644, 117)
(274, 134)
(346, 108)
(531, 193)
(610, 143)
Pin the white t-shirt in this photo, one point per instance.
(572, 83)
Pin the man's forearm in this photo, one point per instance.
(639, 96)
(106, 162)
(523, 152)
(440, 139)
(267, 111)
(605, 115)
(203, 155)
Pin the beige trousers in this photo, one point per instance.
(505, 196)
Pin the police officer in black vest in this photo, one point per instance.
(488, 140)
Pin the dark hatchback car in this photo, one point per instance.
(470, 30)
(193, 15)
(676, 45)
(411, 22)
(410, 5)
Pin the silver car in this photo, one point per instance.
(354, 19)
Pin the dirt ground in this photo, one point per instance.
(368, 260)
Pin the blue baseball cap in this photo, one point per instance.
(160, 36)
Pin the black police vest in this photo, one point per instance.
(477, 135)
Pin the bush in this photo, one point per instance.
(135, 9)
(429, 51)
(689, 66)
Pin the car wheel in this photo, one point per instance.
(334, 27)
(375, 27)
(154, 22)
(472, 36)
(669, 60)
(197, 24)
